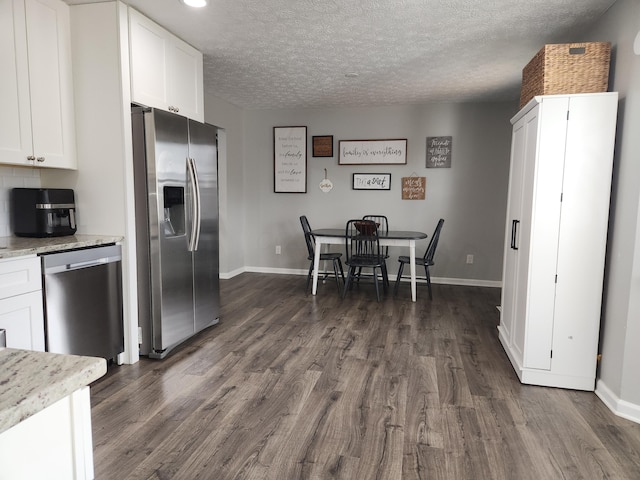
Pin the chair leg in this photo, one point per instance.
(426, 269)
(341, 270)
(395, 288)
(309, 275)
(347, 283)
(335, 272)
(385, 275)
(375, 280)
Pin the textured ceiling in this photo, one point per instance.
(295, 53)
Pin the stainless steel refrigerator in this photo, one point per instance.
(176, 198)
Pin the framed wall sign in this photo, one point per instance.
(322, 146)
(439, 152)
(372, 181)
(379, 152)
(290, 159)
(414, 188)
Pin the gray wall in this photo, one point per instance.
(470, 196)
(620, 332)
(231, 183)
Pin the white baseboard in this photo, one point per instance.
(232, 273)
(620, 407)
(469, 282)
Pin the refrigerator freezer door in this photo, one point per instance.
(203, 151)
(170, 261)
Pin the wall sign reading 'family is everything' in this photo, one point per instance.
(439, 152)
(379, 152)
(290, 159)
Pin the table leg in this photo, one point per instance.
(316, 266)
(412, 265)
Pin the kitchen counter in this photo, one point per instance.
(20, 246)
(32, 381)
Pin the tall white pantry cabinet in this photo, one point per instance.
(555, 239)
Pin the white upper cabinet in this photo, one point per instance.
(36, 88)
(166, 72)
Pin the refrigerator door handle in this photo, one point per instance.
(195, 199)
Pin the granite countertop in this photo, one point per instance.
(31, 381)
(20, 246)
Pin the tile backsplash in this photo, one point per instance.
(12, 177)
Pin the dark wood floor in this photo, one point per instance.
(290, 386)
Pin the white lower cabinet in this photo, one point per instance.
(55, 443)
(556, 235)
(21, 312)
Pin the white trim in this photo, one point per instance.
(232, 273)
(469, 282)
(620, 407)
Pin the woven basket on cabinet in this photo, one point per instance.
(567, 68)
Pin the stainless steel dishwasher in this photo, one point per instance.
(82, 292)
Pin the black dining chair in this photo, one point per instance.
(333, 257)
(383, 227)
(362, 247)
(426, 261)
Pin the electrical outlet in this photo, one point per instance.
(278, 250)
(469, 258)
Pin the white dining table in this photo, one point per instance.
(392, 238)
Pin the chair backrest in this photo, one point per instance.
(361, 240)
(381, 220)
(308, 237)
(433, 243)
(383, 226)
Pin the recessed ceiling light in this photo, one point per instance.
(195, 3)
(351, 75)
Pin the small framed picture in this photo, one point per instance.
(372, 181)
(323, 146)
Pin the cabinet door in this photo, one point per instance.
(15, 115)
(50, 82)
(166, 73)
(185, 80)
(37, 119)
(514, 208)
(545, 217)
(583, 232)
(148, 51)
(22, 318)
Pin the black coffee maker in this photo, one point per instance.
(43, 212)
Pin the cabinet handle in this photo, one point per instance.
(514, 233)
(31, 158)
(40, 159)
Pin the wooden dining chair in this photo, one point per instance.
(426, 261)
(362, 248)
(334, 257)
